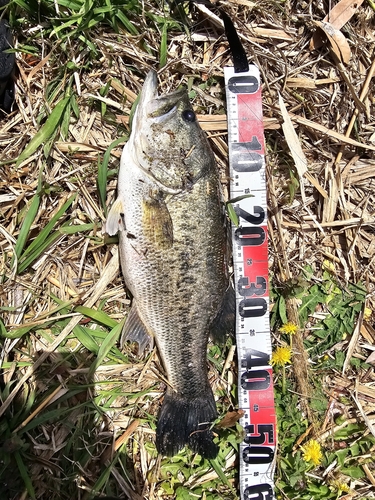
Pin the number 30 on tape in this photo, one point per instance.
(250, 258)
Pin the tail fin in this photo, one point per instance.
(186, 421)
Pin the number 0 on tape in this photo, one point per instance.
(250, 257)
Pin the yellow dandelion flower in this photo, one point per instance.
(342, 487)
(312, 452)
(289, 328)
(329, 266)
(282, 356)
(367, 314)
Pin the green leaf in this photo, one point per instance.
(282, 310)
(354, 472)
(321, 489)
(89, 44)
(239, 198)
(348, 431)
(65, 120)
(45, 131)
(183, 493)
(232, 214)
(74, 105)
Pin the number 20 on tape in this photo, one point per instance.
(250, 259)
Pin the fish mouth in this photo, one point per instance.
(153, 107)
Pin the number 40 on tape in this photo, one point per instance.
(250, 259)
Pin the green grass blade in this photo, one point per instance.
(74, 105)
(27, 6)
(25, 475)
(7, 365)
(102, 10)
(104, 476)
(103, 171)
(127, 23)
(239, 198)
(77, 228)
(65, 120)
(26, 225)
(42, 236)
(45, 131)
(106, 346)
(89, 44)
(56, 414)
(63, 27)
(163, 46)
(19, 332)
(86, 339)
(98, 316)
(70, 4)
(31, 257)
(3, 330)
(219, 471)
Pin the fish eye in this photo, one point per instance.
(188, 115)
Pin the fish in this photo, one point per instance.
(173, 246)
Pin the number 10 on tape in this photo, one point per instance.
(250, 260)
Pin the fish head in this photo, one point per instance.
(167, 141)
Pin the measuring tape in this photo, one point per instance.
(250, 260)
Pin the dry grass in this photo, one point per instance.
(73, 429)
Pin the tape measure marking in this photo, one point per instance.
(250, 260)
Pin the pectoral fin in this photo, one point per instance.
(135, 331)
(157, 223)
(115, 219)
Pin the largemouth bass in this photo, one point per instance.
(171, 223)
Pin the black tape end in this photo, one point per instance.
(240, 62)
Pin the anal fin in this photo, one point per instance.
(224, 322)
(135, 331)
